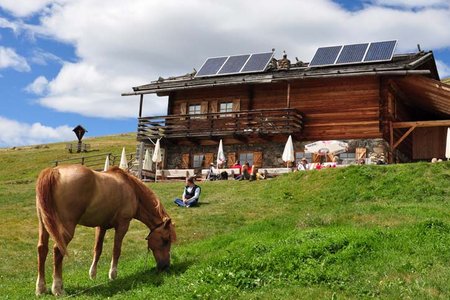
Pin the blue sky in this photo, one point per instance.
(66, 62)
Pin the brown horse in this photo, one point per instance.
(71, 195)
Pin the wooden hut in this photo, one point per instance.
(395, 110)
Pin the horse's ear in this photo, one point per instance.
(167, 222)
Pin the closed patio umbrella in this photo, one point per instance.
(147, 161)
(106, 167)
(288, 153)
(157, 157)
(123, 160)
(220, 155)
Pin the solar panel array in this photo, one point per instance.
(355, 53)
(235, 64)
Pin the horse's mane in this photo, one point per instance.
(150, 203)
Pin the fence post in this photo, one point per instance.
(141, 160)
(82, 160)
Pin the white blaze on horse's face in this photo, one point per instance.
(159, 241)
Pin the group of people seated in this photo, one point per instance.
(303, 165)
(243, 172)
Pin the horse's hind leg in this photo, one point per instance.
(57, 287)
(98, 247)
(42, 248)
(121, 230)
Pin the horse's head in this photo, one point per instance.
(159, 241)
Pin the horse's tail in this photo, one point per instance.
(45, 204)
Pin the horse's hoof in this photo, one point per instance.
(40, 289)
(92, 273)
(112, 274)
(57, 289)
(58, 292)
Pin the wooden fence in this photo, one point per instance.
(97, 161)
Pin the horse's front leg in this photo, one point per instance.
(57, 286)
(121, 230)
(42, 256)
(98, 247)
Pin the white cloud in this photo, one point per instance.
(120, 44)
(19, 134)
(444, 69)
(4, 23)
(25, 7)
(41, 57)
(413, 3)
(38, 87)
(10, 59)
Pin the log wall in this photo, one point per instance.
(339, 108)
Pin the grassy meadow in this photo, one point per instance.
(359, 232)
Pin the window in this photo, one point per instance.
(300, 155)
(198, 160)
(243, 157)
(226, 107)
(195, 109)
(347, 158)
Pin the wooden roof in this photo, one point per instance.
(421, 63)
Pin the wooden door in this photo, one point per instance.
(185, 160)
(231, 159)
(257, 159)
(209, 158)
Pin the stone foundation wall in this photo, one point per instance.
(376, 150)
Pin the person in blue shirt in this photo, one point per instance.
(191, 194)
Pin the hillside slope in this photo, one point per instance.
(352, 233)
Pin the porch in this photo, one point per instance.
(261, 122)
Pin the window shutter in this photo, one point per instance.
(183, 109)
(231, 158)
(237, 105)
(209, 158)
(360, 153)
(213, 106)
(316, 158)
(257, 159)
(185, 161)
(204, 109)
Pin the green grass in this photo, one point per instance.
(352, 233)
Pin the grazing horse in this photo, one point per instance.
(71, 195)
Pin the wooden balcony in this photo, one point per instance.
(242, 123)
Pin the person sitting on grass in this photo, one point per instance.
(191, 194)
(245, 172)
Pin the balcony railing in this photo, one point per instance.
(263, 122)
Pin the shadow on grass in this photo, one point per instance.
(123, 284)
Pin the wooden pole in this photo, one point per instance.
(288, 95)
(141, 159)
(140, 105)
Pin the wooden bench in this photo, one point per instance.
(175, 173)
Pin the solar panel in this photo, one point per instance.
(325, 56)
(352, 53)
(258, 62)
(211, 66)
(380, 51)
(234, 64)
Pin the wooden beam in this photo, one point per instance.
(140, 105)
(404, 136)
(288, 95)
(437, 123)
(343, 124)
